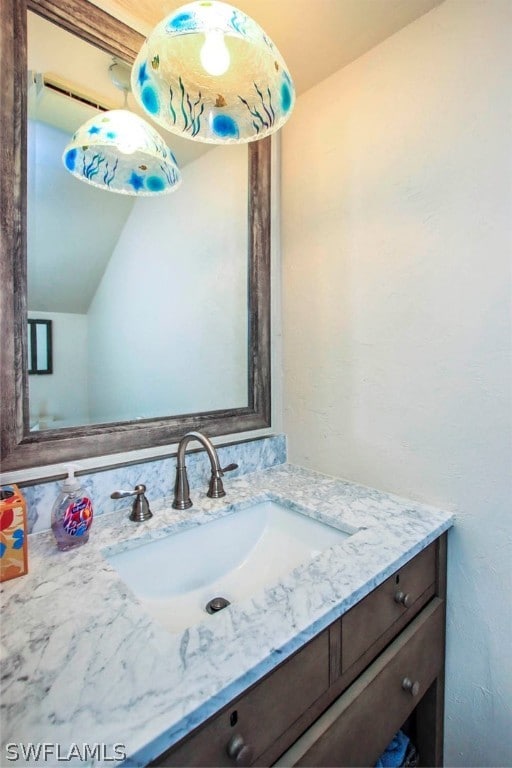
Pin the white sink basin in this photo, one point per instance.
(232, 557)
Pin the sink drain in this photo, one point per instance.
(216, 604)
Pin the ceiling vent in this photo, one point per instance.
(53, 101)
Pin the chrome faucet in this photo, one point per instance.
(181, 488)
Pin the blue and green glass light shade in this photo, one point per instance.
(120, 152)
(208, 72)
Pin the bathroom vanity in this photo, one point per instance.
(339, 700)
(319, 667)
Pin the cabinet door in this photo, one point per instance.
(251, 723)
(356, 729)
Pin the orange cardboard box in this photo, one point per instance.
(13, 533)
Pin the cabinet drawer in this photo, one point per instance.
(356, 729)
(261, 715)
(363, 625)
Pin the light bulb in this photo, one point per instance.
(129, 139)
(214, 54)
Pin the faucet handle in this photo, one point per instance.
(216, 488)
(229, 468)
(140, 509)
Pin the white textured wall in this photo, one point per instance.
(168, 323)
(62, 395)
(66, 249)
(397, 201)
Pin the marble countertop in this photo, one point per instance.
(83, 663)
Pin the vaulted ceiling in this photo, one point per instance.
(315, 37)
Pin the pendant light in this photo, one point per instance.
(208, 72)
(120, 152)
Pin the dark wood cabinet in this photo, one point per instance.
(340, 699)
(261, 715)
(356, 729)
(367, 626)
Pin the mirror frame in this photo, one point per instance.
(20, 448)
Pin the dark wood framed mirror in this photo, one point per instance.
(21, 447)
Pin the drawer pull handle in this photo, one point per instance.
(238, 750)
(412, 687)
(403, 598)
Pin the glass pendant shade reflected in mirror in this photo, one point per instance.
(208, 72)
(120, 152)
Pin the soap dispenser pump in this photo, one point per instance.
(72, 513)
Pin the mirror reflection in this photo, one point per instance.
(147, 297)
